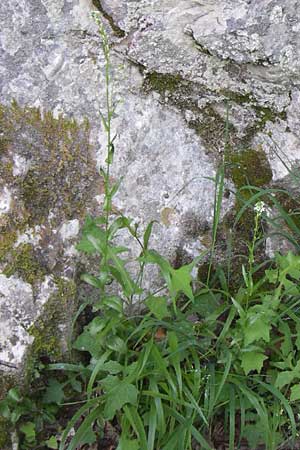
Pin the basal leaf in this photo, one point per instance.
(28, 428)
(284, 378)
(119, 395)
(54, 392)
(87, 343)
(52, 443)
(126, 444)
(112, 367)
(295, 393)
(252, 361)
(153, 257)
(257, 329)
(297, 343)
(158, 307)
(181, 280)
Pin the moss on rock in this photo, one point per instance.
(7, 239)
(163, 82)
(248, 167)
(50, 339)
(25, 264)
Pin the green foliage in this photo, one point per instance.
(29, 415)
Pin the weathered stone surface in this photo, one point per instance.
(18, 312)
(187, 65)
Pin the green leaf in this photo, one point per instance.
(96, 370)
(14, 395)
(4, 409)
(113, 302)
(153, 257)
(297, 343)
(116, 344)
(256, 329)
(136, 422)
(254, 434)
(28, 428)
(86, 408)
(272, 275)
(84, 434)
(252, 361)
(113, 367)
(181, 281)
(147, 234)
(87, 343)
(284, 378)
(158, 307)
(161, 423)
(125, 444)
(91, 228)
(52, 443)
(96, 325)
(119, 394)
(295, 393)
(119, 223)
(91, 280)
(287, 345)
(54, 392)
(113, 191)
(175, 357)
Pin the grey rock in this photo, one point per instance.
(18, 312)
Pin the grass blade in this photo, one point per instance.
(137, 424)
(231, 418)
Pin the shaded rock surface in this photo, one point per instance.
(186, 65)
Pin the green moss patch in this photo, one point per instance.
(248, 166)
(48, 339)
(25, 264)
(162, 83)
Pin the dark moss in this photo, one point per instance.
(194, 226)
(162, 83)
(175, 90)
(213, 129)
(248, 167)
(181, 258)
(237, 97)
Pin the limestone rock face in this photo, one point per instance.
(186, 66)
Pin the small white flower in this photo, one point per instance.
(260, 207)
